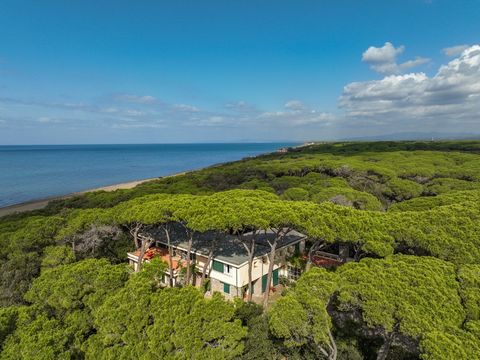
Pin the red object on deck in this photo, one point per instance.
(162, 253)
(324, 261)
(152, 252)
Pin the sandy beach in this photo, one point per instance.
(41, 203)
(57, 164)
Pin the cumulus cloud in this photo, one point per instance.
(386, 54)
(384, 59)
(454, 50)
(449, 98)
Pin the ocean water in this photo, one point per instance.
(37, 172)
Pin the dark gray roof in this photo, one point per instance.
(228, 248)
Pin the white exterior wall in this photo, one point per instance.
(230, 278)
(260, 268)
(238, 276)
(260, 265)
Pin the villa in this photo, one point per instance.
(227, 269)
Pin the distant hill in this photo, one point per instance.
(416, 136)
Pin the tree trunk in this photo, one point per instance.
(141, 255)
(204, 270)
(385, 348)
(280, 234)
(146, 243)
(134, 232)
(250, 248)
(271, 258)
(358, 252)
(251, 254)
(332, 355)
(170, 255)
(73, 248)
(249, 245)
(316, 246)
(333, 347)
(189, 254)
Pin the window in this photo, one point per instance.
(217, 266)
(226, 288)
(221, 267)
(293, 273)
(275, 277)
(264, 282)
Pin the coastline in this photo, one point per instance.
(38, 204)
(42, 203)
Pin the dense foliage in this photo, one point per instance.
(410, 210)
(412, 303)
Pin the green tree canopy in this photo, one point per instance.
(417, 303)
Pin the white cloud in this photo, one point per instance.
(449, 98)
(296, 113)
(152, 125)
(454, 50)
(134, 112)
(48, 120)
(384, 59)
(240, 106)
(186, 108)
(236, 105)
(126, 112)
(136, 99)
(296, 118)
(295, 105)
(447, 101)
(413, 63)
(212, 120)
(386, 54)
(110, 110)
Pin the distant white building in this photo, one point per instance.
(228, 270)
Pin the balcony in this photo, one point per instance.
(157, 252)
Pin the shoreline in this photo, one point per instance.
(42, 203)
(39, 204)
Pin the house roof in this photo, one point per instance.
(228, 248)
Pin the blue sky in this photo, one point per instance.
(206, 71)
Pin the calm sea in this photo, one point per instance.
(36, 172)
